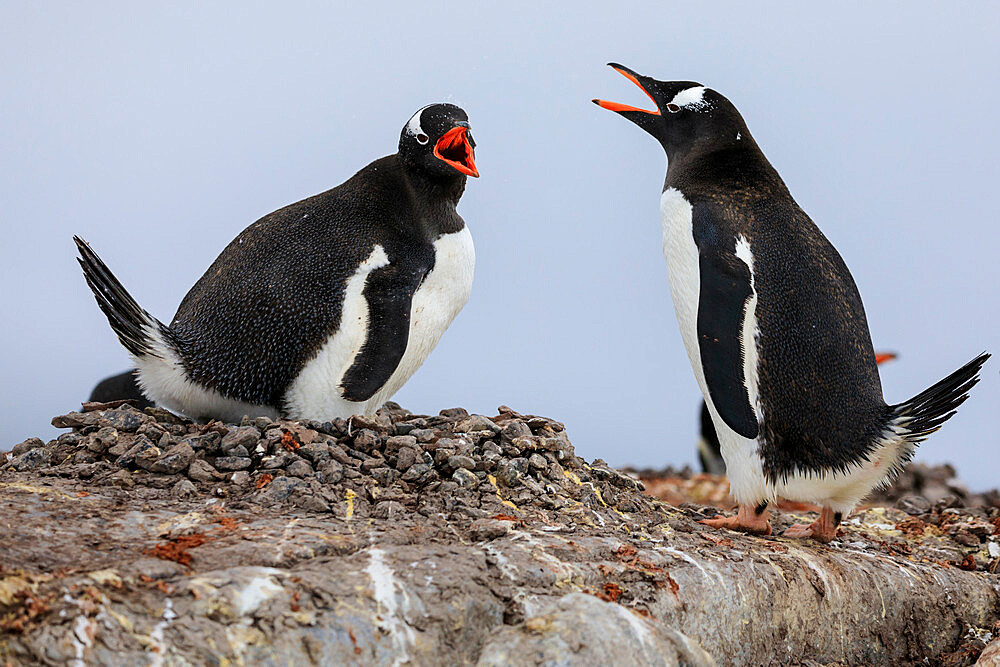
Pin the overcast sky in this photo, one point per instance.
(158, 133)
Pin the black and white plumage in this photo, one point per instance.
(710, 449)
(323, 308)
(772, 321)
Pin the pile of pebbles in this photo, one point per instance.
(384, 465)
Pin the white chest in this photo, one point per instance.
(436, 302)
(317, 392)
(682, 272)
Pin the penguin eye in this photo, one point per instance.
(673, 108)
(422, 138)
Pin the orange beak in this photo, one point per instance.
(616, 106)
(884, 356)
(453, 148)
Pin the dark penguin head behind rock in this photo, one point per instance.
(688, 118)
(437, 142)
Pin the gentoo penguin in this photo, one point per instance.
(709, 449)
(119, 388)
(323, 308)
(773, 323)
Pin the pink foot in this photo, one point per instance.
(822, 529)
(747, 520)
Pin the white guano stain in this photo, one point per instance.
(391, 603)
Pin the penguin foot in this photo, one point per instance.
(747, 520)
(822, 529)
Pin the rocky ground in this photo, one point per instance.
(142, 537)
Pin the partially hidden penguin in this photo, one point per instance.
(323, 308)
(773, 323)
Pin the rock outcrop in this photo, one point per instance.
(139, 537)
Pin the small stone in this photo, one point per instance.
(476, 423)
(313, 503)
(280, 489)
(454, 413)
(27, 445)
(232, 463)
(397, 442)
(239, 450)
(31, 459)
(416, 472)
(330, 472)
(405, 458)
(948, 502)
(102, 440)
(315, 451)
(510, 473)
(262, 423)
(515, 429)
(201, 470)
(366, 440)
(455, 462)
(482, 530)
(147, 457)
(299, 468)
(123, 479)
(537, 462)
(125, 419)
(424, 434)
(371, 463)
(174, 460)
(240, 478)
(465, 478)
(914, 505)
(183, 489)
(389, 509)
(139, 445)
(244, 436)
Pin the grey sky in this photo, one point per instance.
(158, 133)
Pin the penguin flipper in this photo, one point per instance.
(389, 293)
(726, 287)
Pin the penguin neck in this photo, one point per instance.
(735, 159)
(435, 199)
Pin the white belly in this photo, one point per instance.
(317, 393)
(745, 471)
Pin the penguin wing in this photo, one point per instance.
(726, 286)
(389, 293)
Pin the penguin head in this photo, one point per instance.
(438, 141)
(687, 115)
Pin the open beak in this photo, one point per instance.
(454, 148)
(634, 78)
(881, 357)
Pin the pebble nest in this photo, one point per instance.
(478, 473)
(391, 462)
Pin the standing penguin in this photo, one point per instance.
(323, 308)
(773, 323)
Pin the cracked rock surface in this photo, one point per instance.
(140, 537)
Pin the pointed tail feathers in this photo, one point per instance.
(923, 414)
(140, 333)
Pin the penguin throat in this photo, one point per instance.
(453, 149)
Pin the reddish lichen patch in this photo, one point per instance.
(289, 442)
(968, 563)
(264, 480)
(354, 640)
(176, 548)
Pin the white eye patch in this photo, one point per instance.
(413, 126)
(691, 98)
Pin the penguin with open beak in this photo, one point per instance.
(323, 308)
(773, 323)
